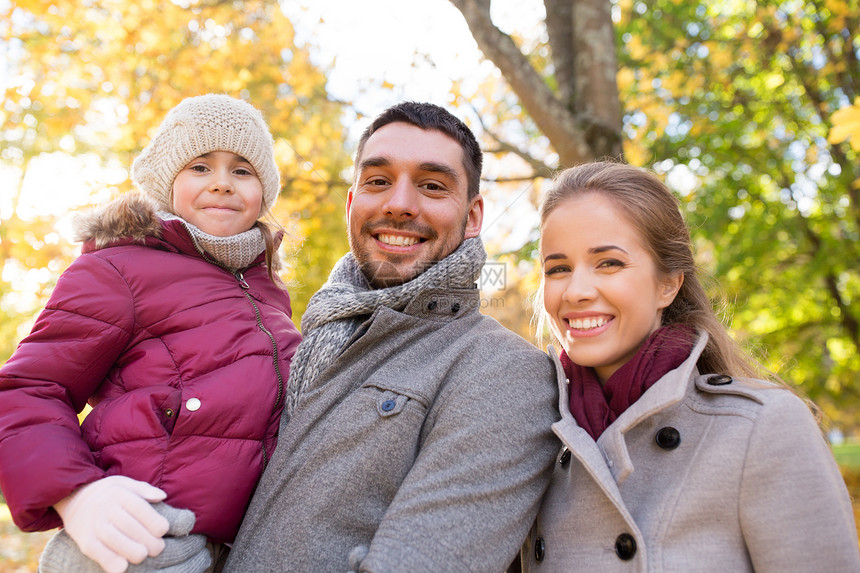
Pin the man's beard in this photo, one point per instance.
(389, 272)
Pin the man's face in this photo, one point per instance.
(408, 207)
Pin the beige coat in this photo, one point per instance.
(702, 473)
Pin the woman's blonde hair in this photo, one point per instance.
(654, 211)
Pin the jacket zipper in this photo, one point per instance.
(245, 286)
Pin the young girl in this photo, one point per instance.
(673, 459)
(173, 325)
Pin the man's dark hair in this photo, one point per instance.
(432, 117)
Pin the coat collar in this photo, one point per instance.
(609, 455)
(444, 303)
(579, 442)
(132, 218)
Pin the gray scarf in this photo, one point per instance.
(335, 312)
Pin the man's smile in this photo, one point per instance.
(398, 240)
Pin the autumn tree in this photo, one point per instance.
(733, 103)
(568, 87)
(98, 78)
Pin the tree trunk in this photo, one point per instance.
(582, 119)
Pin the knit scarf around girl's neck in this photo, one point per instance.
(233, 252)
(595, 406)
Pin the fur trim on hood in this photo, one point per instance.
(129, 216)
(132, 216)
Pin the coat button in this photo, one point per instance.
(719, 380)
(625, 546)
(565, 457)
(193, 404)
(668, 438)
(539, 549)
(388, 405)
(455, 308)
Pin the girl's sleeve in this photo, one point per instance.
(77, 338)
(795, 510)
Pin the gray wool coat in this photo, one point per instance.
(702, 473)
(427, 441)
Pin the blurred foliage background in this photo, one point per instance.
(750, 110)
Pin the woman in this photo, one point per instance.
(674, 457)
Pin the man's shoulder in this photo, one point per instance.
(500, 370)
(491, 335)
(502, 351)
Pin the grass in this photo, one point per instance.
(848, 455)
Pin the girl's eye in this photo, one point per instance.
(243, 171)
(199, 168)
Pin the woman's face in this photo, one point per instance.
(602, 290)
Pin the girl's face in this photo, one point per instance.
(602, 290)
(219, 193)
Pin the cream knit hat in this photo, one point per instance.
(203, 124)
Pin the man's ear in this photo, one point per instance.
(348, 204)
(475, 217)
(669, 287)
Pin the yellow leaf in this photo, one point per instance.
(846, 125)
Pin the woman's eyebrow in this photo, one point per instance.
(554, 257)
(605, 248)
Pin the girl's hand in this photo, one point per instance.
(113, 522)
(183, 553)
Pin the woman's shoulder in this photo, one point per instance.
(751, 397)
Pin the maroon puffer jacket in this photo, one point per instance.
(185, 365)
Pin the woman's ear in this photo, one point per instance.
(669, 287)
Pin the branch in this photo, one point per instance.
(286, 183)
(540, 168)
(520, 179)
(800, 70)
(845, 75)
(848, 321)
(551, 116)
(852, 61)
(849, 168)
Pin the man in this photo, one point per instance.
(417, 434)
